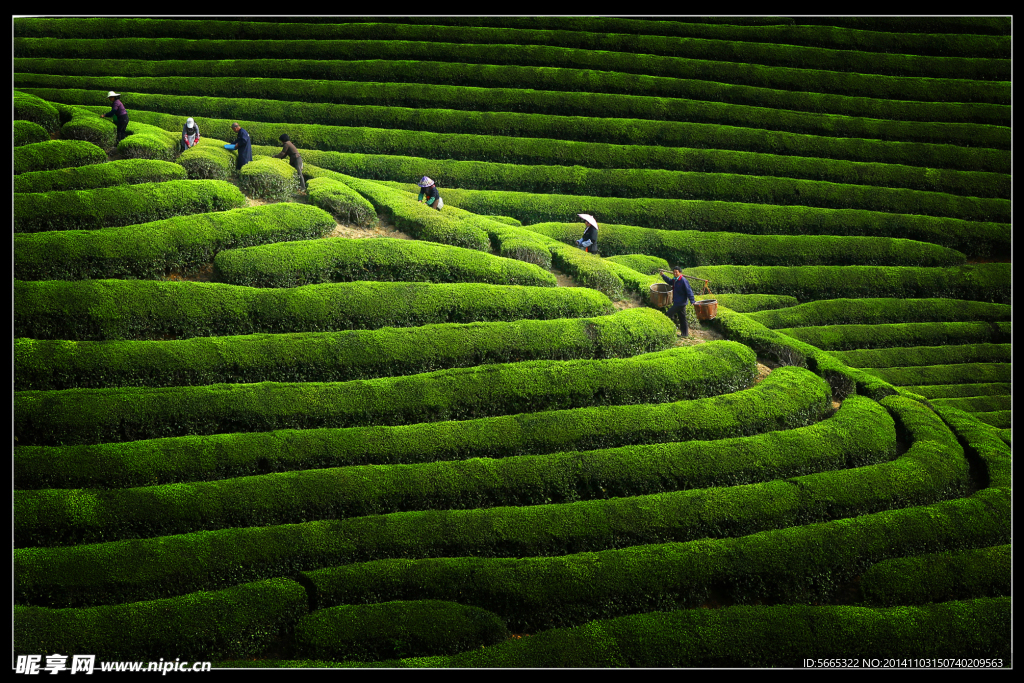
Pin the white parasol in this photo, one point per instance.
(588, 218)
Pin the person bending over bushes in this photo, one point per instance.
(117, 110)
(429, 190)
(294, 158)
(189, 135)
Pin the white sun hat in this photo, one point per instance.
(190, 123)
(113, 94)
(425, 182)
(588, 218)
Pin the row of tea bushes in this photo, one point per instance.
(235, 621)
(752, 636)
(547, 138)
(131, 414)
(268, 178)
(986, 282)
(109, 174)
(54, 154)
(689, 248)
(971, 238)
(619, 184)
(959, 373)
(977, 404)
(79, 123)
(960, 390)
(208, 160)
(26, 133)
(334, 356)
(937, 577)
(151, 250)
(925, 355)
(861, 434)
(979, 57)
(983, 442)
(804, 564)
(36, 110)
(787, 399)
(845, 337)
(342, 259)
(877, 311)
(338, 199)
(121, 205)
(264, 101)
(117, 309)
(991, 87)
(149, 142)
(397, 75)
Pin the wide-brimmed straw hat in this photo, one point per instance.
(425, 182)
(113, 94)
(588, 218)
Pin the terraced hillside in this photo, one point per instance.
(245, 433)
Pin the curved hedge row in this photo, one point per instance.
(983, 442)
(338, 199)
(976, 404)
(36, 110)
(82, 124)
(788, 398)
(805, 564)
(117, 309)
(960, 390)
(341, 259)
(208, 160)
(973, 239)
(268, 178)
(27, 132)
(925, 355)
(843, 337)
(931, 87)
(876, 311)
(149, 142)
(79, 416)
(334, 356)
(760, 45)
(1000, 419)
(689, 248)
(44, 517)
(756, 636)
(109, 174)
(54, 154)
(122, 205)
(960, 373)
(398, 79)
(988, 282)
(151, 250)
(224, 97)
(240, 620)
(937, 577)
(397, 629)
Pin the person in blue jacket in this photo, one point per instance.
(242, 144)
(681, 292)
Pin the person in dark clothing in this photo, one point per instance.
(428, 189)
(588, 242)
(294, 158)
(681, 292)
(189, 135)
(242, 144)
(117, 111)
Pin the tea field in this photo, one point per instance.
(268, 426)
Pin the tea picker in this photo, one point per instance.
(588, 242)
(428, 189)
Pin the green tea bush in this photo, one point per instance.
(983, 442)
(930, 391)
(241, 620)
(122, 205)
(338, 199)
(43, 418)
(925, 355)
(342, 259)
(879, 311)
(36, 110)
(151, 250)
(397, 629)
(959, 373)
(938, 577)
(83, 124)
(268, 178)
(110, 174)
(1001, 419)
(786, 399)
(27, 132)
(53, 154)
(148, 142)
(842, 337)
(334, 356)
(117, 309)
(208, 160)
